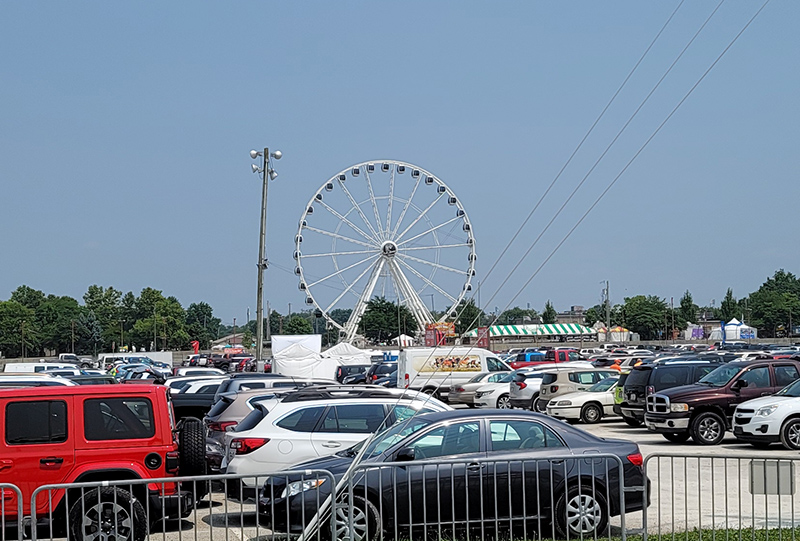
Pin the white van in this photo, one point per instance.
(435, 370)
(35, 368)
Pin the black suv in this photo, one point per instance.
(658, 375)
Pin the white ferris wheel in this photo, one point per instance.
(384, 228)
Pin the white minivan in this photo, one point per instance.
(435, 370)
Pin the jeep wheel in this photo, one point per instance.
(708, 428)
(541, 405)
(790, 434)
(107, 514)
(192, 452)
(533, 401)
(677, 437)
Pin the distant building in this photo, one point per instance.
(574, 315)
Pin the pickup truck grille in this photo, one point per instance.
(657, 403)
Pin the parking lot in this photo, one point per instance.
(692, 486)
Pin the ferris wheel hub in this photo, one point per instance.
(388, 249)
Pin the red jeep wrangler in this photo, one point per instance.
(95, 433)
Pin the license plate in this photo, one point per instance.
(651, 426)
(738, 430)
(632, 396)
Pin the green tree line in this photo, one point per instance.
(33, 323)
(772, 308)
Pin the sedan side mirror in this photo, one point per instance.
(406, 454)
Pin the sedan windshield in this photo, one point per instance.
(791, 390)
(602, 386)
(478, 378)
(720, 376)
(392, 435)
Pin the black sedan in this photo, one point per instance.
(465, 471)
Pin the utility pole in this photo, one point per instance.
(608, 314)
(155, 331)
(233, 340)
(672, 305)
(267, 174)
(269, 328)
(22, 328)
(73, 333)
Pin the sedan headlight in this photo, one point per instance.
(766, 411)
(564, 403)
(478, 395)
(677, 407)
(300, 486)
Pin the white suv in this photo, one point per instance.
(770, 419)
(311, 423)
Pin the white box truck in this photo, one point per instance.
(436, 370)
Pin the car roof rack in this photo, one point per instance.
(334, 392)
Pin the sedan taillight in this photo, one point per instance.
(636, 459)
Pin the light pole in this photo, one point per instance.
(267, 174)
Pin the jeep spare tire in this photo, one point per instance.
(192, 452)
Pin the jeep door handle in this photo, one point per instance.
(51, 460)
(5, 464)
(332, 444)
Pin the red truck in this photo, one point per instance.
(550, 356)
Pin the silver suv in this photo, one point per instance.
(524, 389)
(558, 382)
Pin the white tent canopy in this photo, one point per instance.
(403, 340)
(312, 342)
(734, 330)
(346, 353)
(298, 360)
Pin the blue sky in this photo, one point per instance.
(125, 128)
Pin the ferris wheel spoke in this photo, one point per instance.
(432, 264)
(330, 254)
(431, 230)
(391, 198)
(360, 212)
(418, 218)
(374, 205)
(405, 207)
(435, 247)
(351, 327)
(350, 287)
(345, 269)
(340, 237)
(345, 220)
(427, 281)
(415, 304)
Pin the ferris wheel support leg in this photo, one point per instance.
(351, 327)
(414, 303)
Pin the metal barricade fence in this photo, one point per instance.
(193, 508)
(735, 495)
(10, 512)
(557, 497)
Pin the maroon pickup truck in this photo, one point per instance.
(704, 411)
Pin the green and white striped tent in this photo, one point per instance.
(555, 329)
